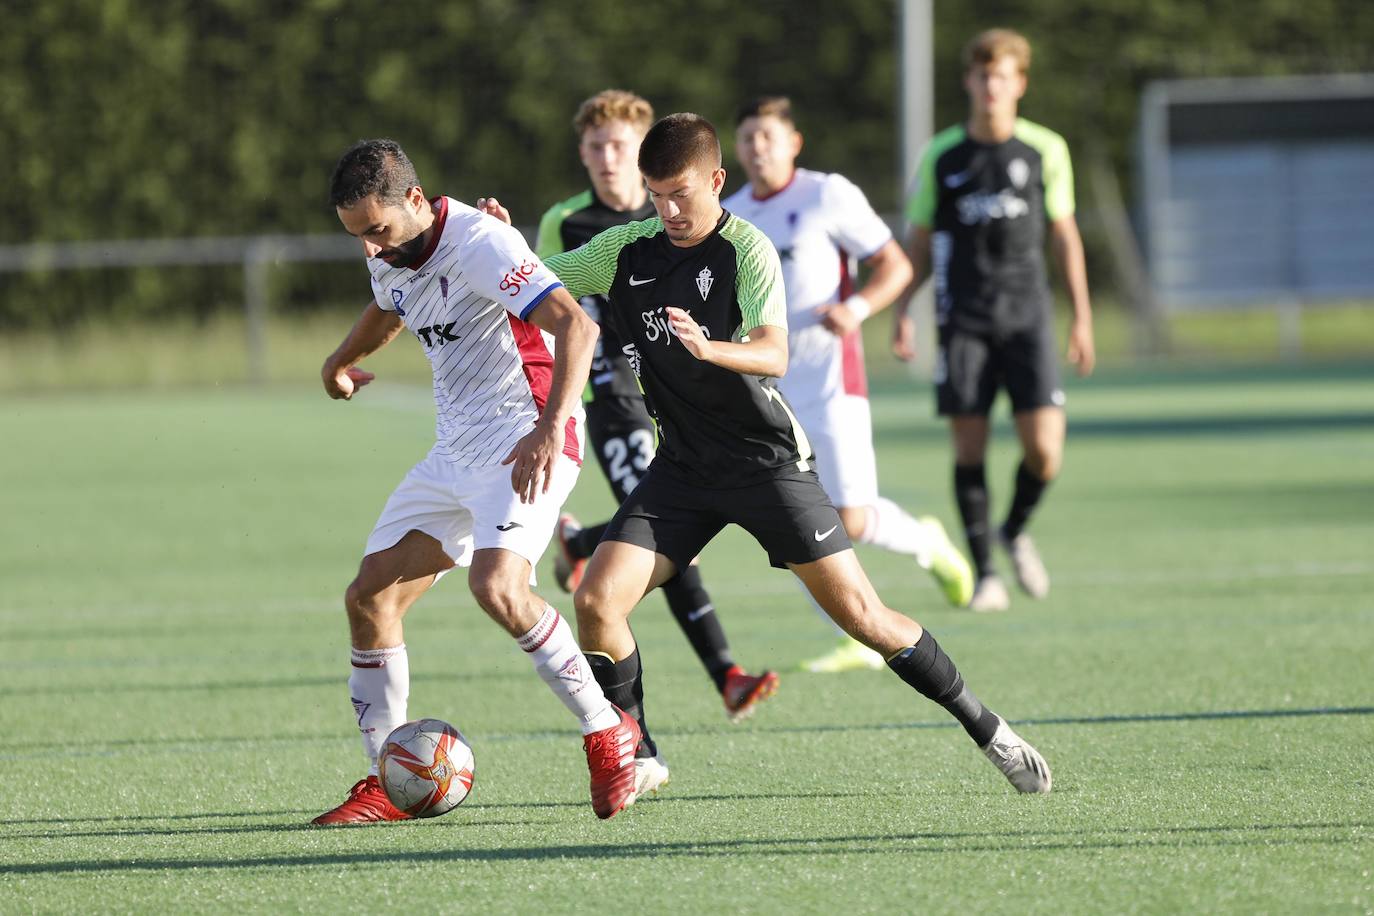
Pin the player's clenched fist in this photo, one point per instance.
(687, 330)
(342, 385)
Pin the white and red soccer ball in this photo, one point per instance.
(426, 767)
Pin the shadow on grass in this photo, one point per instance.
(938, 843)
(497, 806)
(22, 750)
(1217, 424)
(281, 683)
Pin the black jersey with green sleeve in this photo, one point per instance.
(986, 206)
(571, 224)
(717, 428)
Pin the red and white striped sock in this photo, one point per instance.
(379, 686)
(554, 652)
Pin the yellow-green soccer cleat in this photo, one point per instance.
(849, 655)
(944, 561)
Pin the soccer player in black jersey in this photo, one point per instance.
(984, 192)
(696, 298)
(610, 126)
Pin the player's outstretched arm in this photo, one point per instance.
(903, 325)
(374, 329)
(1067, 247)
(574, 335)
(763, 351)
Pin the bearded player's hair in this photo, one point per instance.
(372, 167)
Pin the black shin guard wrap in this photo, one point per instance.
(623, 684)
(971, 493)
(1029, 489)
(927, 668)
(691, 607)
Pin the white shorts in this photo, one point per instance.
(467, 509)
(841, 434)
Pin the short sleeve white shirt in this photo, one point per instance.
(466, 301)
(822, 226)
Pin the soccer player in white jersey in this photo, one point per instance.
(510, 350)
(821, 224)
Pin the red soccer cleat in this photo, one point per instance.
(744, 692)
(567, 569)
(611, 760)
(367, 803)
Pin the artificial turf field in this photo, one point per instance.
(1201, 678)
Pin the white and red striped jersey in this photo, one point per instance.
(466, 301)
(822, 225)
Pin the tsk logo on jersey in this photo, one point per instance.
(396, 297)
(516, 278)
(704, 281)
(438, 334)
(984, 207)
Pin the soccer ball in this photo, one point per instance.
(426, 767)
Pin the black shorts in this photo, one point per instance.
(970, 367)
(787, 513)
(622, 435)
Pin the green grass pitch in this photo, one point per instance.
(173, 705)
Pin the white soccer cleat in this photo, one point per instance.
(651, 774)
(990, 594)
(1019, 762)
(1031, 574)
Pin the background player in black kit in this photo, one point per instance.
(610, 126)
(984, 193)
(696, 298)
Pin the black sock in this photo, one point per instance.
(1029, 489)
(692, 609)
(926, 667)
(583, 544)
(623, 684)
(971, 492)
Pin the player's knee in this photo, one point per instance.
(498, 596)
(1044, 460)
(367, 605)
(593, 600)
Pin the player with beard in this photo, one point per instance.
(510, 349)
(610, 126)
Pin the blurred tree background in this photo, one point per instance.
(124, 119)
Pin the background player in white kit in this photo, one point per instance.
(822, 224)
(510, 349)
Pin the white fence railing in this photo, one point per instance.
(256, 254)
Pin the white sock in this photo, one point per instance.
(890, 527)
(550, 645)
(379, 686)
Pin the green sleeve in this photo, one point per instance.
(925, 196)
(1055, 171)
(549, 241)
(590, 269)
(758, 278)
(1058, 174)
(920, 207)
